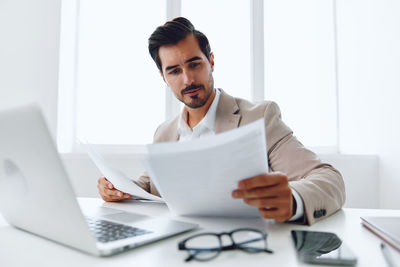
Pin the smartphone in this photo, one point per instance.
(322, 248)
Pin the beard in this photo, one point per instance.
(196, 101)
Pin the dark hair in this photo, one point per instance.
(171, 33)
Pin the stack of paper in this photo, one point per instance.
(197, 177)
(118, 178)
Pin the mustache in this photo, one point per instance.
(191, 87)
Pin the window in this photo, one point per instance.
(116, 96)
(300, 69)
(116, 76)
(229, 38)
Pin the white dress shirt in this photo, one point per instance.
(206, 127)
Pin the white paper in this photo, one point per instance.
(197, 177)
(118, 178)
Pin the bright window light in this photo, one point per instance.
(226, 23)
(300, 67)
(120, 93)
(119, 98)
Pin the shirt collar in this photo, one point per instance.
(208, 121)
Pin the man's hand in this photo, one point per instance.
(108, 192)
(270, 193)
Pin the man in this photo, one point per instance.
(299, 187)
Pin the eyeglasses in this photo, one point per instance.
(207, 246)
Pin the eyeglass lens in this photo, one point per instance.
(204, 247)
(250, 241)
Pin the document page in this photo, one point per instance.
(197, 177)
(118, 178)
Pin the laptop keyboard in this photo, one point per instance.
(106, 231)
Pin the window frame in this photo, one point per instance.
(68, 71)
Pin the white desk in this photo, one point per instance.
(18, 248)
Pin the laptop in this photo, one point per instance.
(385, 227)
(36, 194)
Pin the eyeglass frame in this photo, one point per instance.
(233, 246)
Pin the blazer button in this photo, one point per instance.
(319, 213)
(316, 214)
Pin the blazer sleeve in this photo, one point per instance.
(144, 180)
(319, 184)
(145, 183)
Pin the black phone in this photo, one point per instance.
(322, 248)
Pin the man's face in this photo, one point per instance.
(187, 71)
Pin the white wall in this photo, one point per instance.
(369, 87)
(367, 195)
(29, 45)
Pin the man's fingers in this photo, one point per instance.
(280, 215)
(108, 192)
(113, 192)
(104, 182)
(263, 192)
(114, 195)
(263, 180)
(109, 185)
(270, 193)
(267, 202)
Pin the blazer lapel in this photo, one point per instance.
(173, 133)
(227, 117)
(168, 132)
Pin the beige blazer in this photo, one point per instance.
(319, 184)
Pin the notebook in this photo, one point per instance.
(386, 228)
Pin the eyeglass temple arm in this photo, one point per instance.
(252, 240)
(190, 257)
(197, 251)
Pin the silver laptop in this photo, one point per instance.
(36, 194)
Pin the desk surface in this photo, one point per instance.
(18, 248)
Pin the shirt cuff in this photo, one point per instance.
(300, 206)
